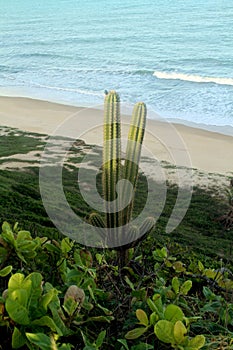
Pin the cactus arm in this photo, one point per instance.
(133, 153)
(111, 156)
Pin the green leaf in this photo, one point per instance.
(179, 332)
(173, 313)
(100, 339)
(130, 284)
(7, 234)
(99, 258)
(18, 339)
(48, 322)
(185, 288)
(154, 317)
(142, 317)
(164, 331)
(70, 306)
(200, 266)
(57, 319)
(197, 342)
(17, 312)
(66, 245)
(176, 284)
(16, 281)
(158, 303)
(152, 305)
(19, 295)
(124, 343)
(41, 340)
(47, 298)
(35, 281)
(136, 333)
(23, 235)
(107, 319)
(178, 266)
(4, 272)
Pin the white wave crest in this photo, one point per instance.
(193, 78)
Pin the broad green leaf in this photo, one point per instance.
(164, 331)
(7, 233)
(17, 312)
(178, 266)
(47, 321)
(136, 333)
(176, 284)
(6, 226)
(18, 339)
(179, 332)
(70, 306)
(47, 298)
(23, 235)
(52, 248)
(142, 317)
(20, 296)
(186, 286)
(100, 339)
(197, 342)
(35, 279)
(41, 340)
(16, 281)
(173, 313)
(4, 272)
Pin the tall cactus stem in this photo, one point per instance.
(111, 157)
(133, 153)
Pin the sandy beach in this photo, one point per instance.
(178, 144)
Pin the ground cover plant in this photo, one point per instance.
(174, 291)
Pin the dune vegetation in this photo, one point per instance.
(170, 291)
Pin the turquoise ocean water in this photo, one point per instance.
(175, 55)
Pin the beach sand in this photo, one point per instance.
(180, 145)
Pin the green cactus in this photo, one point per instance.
(133, 153)
(117, 193)
(111, 157)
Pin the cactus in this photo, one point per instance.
(118, 215)
(133, 153)
(111, 157)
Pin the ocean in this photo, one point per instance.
(176, 56)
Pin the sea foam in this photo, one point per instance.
(193, 78)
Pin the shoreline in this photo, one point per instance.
(178, 144)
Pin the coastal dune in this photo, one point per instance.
(178, 144)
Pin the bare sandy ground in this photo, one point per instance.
(175, 146)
